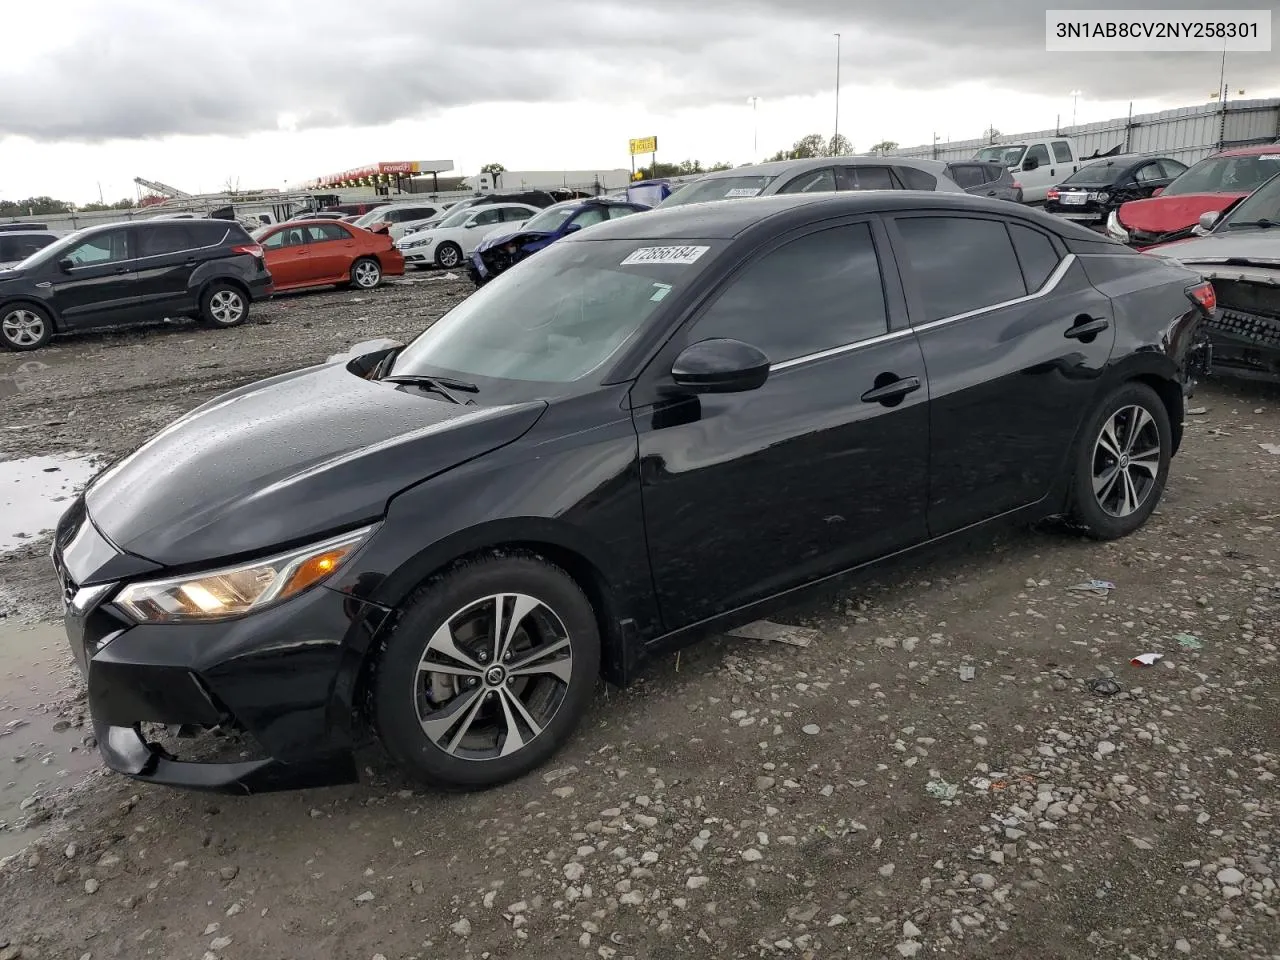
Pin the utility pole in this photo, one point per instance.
(1075, 96)
(1222, 92)
(836, 136)
(755, 130)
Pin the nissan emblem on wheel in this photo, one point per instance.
(634, 439)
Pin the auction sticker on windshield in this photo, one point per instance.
(737, 192)
(676, 255)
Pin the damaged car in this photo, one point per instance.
(500, 251)
(1241, 256)
(1214, 185)
(1090, 194)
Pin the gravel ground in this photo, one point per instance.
(864, 796)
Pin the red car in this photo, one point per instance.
(1214, 185)
(323, 253)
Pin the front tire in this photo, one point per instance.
(224, 305)
(366, 273)
(1121, 463)
(448, 255)
(487, 673)
(24, 327)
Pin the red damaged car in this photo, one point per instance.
(1214, 185)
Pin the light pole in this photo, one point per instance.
(1075, 96)
(836, 136)
(755, 130)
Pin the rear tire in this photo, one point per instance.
(223, 305)
(366, 273)
(448, 255)
(496, 708)
(1121, 463)
(24, 326)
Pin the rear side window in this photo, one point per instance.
(914, 179)
(323, 232)
(488, 217)
(1148, 172)
(1172, 168)
(869, 178)
(207, 233)
(812, 181)
(814, 293)
(967, 175)
(1062, 151)
(1036, 254)
(515, 215)
(155, 240)
(995, 172)
(960, 263)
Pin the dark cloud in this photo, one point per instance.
(150, 68)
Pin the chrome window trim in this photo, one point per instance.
(1046, 288)
(836, 351)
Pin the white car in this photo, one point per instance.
(392, 217)
(451, 241)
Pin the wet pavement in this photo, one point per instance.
(34, 492)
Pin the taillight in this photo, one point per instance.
(1204, 296)
(1051, 195)
(252, 249)
(1017, 185)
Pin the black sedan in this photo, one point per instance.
(639, 436)
(1093, 191)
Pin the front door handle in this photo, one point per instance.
(991, 193)
(1086, 327)
(122, 269)
(892, 392)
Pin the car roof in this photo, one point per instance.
(28, 233)
(1123, 158)
(1249, 151)
(777, 168)
(726, 219)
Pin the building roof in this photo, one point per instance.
(383, 170)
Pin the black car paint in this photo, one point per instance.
(675, 514)
(1123, 188)
(140, 289)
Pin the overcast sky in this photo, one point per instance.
(197, 92)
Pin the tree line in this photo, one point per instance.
(47, 206)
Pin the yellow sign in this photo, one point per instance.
(644, 145)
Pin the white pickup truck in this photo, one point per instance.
(1036, 164)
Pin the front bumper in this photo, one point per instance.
(281, 681)
(419, 255)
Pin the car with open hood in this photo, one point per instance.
(1101, 186)
(647, 433)
(1214, 185)
(1241, 256)
(503, 249)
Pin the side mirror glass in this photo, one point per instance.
(720, 366)
(1209, 219)
(1030, 163)
(573, 228)
(65, 264)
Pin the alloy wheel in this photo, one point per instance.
(1126, 461)
(226, 306)
(493, 676)
(22, 328)
(367, 274)
(448, 257)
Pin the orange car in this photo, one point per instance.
(322, 253)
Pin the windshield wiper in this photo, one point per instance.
(1262, 222)
(441, 385)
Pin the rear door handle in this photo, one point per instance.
(1086, 326)
(892, 392)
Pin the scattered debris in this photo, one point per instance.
(776, 632)
(968, 672)
(1099, 588)
(1197, 411)
(1271, 448)
(1146, 659)
(1189, 642)
(1104, 686)
(941, 790)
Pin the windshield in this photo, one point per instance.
(1226, 175)
(1010, 154)
(1263, 204)
(556, 317)
(1102, 172)
(373, 216)
(718, 188)
(551, 219)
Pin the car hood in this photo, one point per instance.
(1252, 246)
(287, 460)
(524, 236)
(1164, 214)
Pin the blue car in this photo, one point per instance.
(499, 253)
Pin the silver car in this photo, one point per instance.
(816, 175)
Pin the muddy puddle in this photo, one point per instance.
(44, 736)
(34, 492)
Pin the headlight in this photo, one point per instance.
(1115, 229)
(1103, 196)
(235, 591)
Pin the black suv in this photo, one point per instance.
(124, 273)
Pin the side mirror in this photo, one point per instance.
(65, 264)
(1030, 163)
(720, 366)
(1208, 219)
(470, 225)
(1157, 191)
(572, 228)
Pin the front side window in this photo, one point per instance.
(111, 246)
(1040, 154)
(515, 215)
(960, 263)
(1261, 208)
(487, 218)
(869, 178)
(618, 211)
(814, 181)
(552, 218)
(1148, 172)
(1172, 168)
(557, 317)
(820, 291)
(1102, 173)
(1227, 175)
(591, 216)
